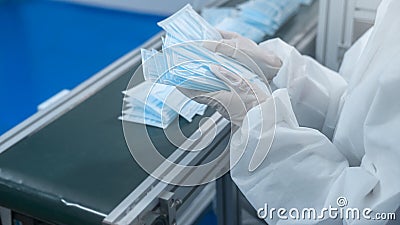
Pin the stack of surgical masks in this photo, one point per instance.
(184, 62)
(158, 105)
(254, 19)
(188, 25)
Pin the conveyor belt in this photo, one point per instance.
(80, 158)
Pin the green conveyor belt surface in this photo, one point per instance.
(80, 158)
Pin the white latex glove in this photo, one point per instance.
(248, 53)
(234, 104)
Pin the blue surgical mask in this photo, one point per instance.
(262, 11)
(142, 107)
(154, 63)
(187, 64)
(193, 75)
(260, 15)
(188, 25)
(268, 15)
(286, 8)
(215, 15)
(252, 19)
(192, 61)
(170, 40)
(158, 105)
(306, 2)
(177, 101)
(238, 25)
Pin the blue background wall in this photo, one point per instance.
(48, 46)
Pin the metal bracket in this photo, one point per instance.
(168, 205)
(5, 216)
(342, 49)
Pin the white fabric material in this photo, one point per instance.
(347, 144)
(352, 55)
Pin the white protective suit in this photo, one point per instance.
(337, 134)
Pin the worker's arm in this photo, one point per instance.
(303, 169)
(315, 91)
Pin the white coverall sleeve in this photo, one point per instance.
(303, 169)
(315, 91)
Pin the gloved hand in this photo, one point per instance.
(234, 104)
(248, 53)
